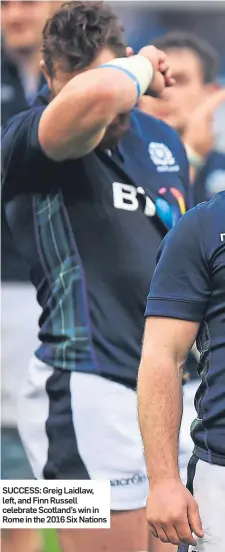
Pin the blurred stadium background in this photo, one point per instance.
(143, 22)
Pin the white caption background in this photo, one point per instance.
(58, 504)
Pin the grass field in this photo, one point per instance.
(51, 544)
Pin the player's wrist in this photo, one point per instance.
(156, 480)
(139, 68)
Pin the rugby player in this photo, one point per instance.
(193, 108)
(186, 301)
(90, 186)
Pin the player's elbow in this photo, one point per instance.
(156, 360)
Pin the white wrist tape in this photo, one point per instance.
(138, 68)
(195, 160)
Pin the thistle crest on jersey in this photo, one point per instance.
(162, 157)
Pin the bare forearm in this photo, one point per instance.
(160, 411)
(75, 121)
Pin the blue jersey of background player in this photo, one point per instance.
(187, 299)
(210, 180)
(90, 189)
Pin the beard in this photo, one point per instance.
(115, 132)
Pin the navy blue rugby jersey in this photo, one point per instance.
(210, 179)
(194, 289)
(89, 230)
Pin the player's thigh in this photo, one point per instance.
(128, 533)
(209, 492)
(155, 545)
(21, 540)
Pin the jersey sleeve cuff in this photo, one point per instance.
(182, 309)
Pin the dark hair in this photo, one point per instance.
(78, 31)
(208, 57)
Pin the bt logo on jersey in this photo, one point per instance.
(169, 206)
(125, 196)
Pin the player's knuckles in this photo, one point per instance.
(151, 53)
(175, 516)
(167, 522)
(165, 516)
(155, 521)
(161, 55)
(178, 516)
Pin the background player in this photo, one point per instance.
(21, 24)
(186, 300)
(21, 77)
(91, 197)
(194, 108)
